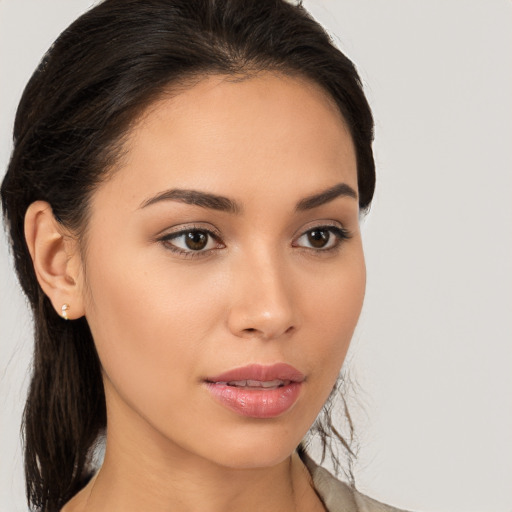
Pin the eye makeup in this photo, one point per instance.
(197, 241)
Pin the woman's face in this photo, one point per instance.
(228, 239)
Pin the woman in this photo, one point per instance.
(183, 202)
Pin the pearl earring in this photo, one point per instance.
(64, 311)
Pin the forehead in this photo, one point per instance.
(254, 134)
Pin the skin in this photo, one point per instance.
(259, 292)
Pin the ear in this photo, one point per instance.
(56, 259)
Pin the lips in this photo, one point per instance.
(257, 391)
(266, 384)
(262, 373)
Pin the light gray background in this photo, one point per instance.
(433, 350)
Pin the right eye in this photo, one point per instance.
(191, 241)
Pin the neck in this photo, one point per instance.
(285, 487)
(147, 472)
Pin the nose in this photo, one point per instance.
(262, 300)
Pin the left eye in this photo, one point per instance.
(322, 238)
(192, 240)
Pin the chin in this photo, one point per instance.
(254, 459)
(254, 448)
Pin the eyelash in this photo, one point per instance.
(340, 233)
(166, 241)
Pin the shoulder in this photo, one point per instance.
(340, 497)
(366, 504)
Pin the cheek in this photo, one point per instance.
(334, 303)
(146, 324)
(157, 327)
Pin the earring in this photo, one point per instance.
(64, 311)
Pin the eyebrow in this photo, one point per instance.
(339, 190)
(197, 198)
(224, 204)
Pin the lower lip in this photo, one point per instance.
(256, 402)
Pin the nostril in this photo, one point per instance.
(251, 331)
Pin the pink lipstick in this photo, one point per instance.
(257, 391)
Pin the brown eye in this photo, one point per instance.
(196, 240)
(322, 238)
(192, 241)
(318, 238)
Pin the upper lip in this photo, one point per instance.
(259, 372)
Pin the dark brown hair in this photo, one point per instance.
(91, 85)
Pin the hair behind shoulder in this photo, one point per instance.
(89, 88)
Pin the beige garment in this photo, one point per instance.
(337, 496)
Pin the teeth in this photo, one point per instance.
(238, 383)
(264, 384)
(256, 383)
